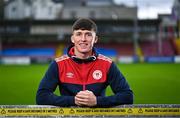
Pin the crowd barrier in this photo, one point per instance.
(145, 110)
(27, 60)
(149, 59)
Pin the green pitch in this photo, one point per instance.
(151, 83)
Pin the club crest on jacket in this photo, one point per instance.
(97, 74)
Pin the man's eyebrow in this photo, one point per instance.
(84, 31)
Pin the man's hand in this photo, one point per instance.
(85, 98)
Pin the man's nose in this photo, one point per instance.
(83, 38)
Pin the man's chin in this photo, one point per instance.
(84, 51)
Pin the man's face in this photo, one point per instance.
(83, 40)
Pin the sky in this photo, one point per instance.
(149, 9)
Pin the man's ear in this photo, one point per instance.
(72, 39)
(96, 39)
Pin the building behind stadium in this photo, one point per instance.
(36, 31)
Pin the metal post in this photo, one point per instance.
(1, 18)
(135, 34)
(178, 28)
(160, 33)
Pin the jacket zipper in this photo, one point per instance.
(83, 79)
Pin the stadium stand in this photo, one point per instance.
(108, 51)
(114, 50)
(31, 52)
(167, 48)
(150, 48)
(18, 53)
(122, 49)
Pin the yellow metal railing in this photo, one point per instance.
(177, 43)
(123, 110)
(59, 50)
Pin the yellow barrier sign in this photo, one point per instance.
(89, 111)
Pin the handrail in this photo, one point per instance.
(137, 110)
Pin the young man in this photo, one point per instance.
(83, 74)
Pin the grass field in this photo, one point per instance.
(151, 83)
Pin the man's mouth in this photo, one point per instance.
(83, 45)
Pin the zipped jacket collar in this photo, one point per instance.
(70, 53)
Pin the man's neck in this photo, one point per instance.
(82, 55)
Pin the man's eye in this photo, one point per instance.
(78, 34)
(89, 34)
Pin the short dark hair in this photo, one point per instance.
(84, 24)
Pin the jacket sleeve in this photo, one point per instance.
(122, 92)
(45, 94)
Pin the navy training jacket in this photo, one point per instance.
(72, 75)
